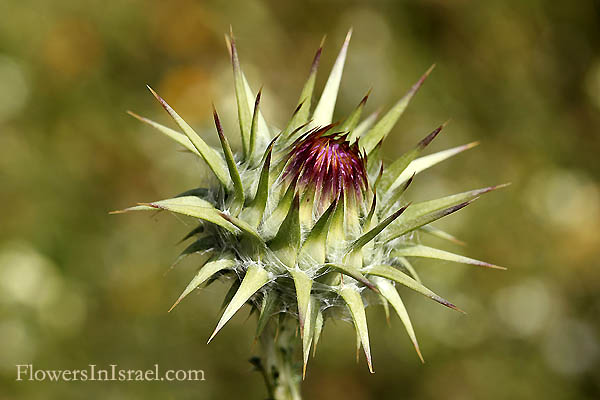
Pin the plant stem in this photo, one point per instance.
(278, 344)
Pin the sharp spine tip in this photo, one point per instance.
(502, 185)
(458, 241)
(421, 80)
(315, 64)
(213, 335)
(370, 364)
(429, 138)
(452, 306)
(494, 187)
(430, 69)
(217, 122)
(418, 350)
(175, 305)
(410, 180)
(493, 266)
(323, 39)
(365, 98)
(461, 205)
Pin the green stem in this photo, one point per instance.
(278, 344)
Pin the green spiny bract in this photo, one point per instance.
(307, 220)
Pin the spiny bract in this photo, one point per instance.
(307, 220)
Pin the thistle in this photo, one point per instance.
(307, 224)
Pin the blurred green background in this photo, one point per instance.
(80, 287)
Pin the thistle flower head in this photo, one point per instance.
(327, 164)
(308, 221)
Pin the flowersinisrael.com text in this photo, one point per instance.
(27, 372)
